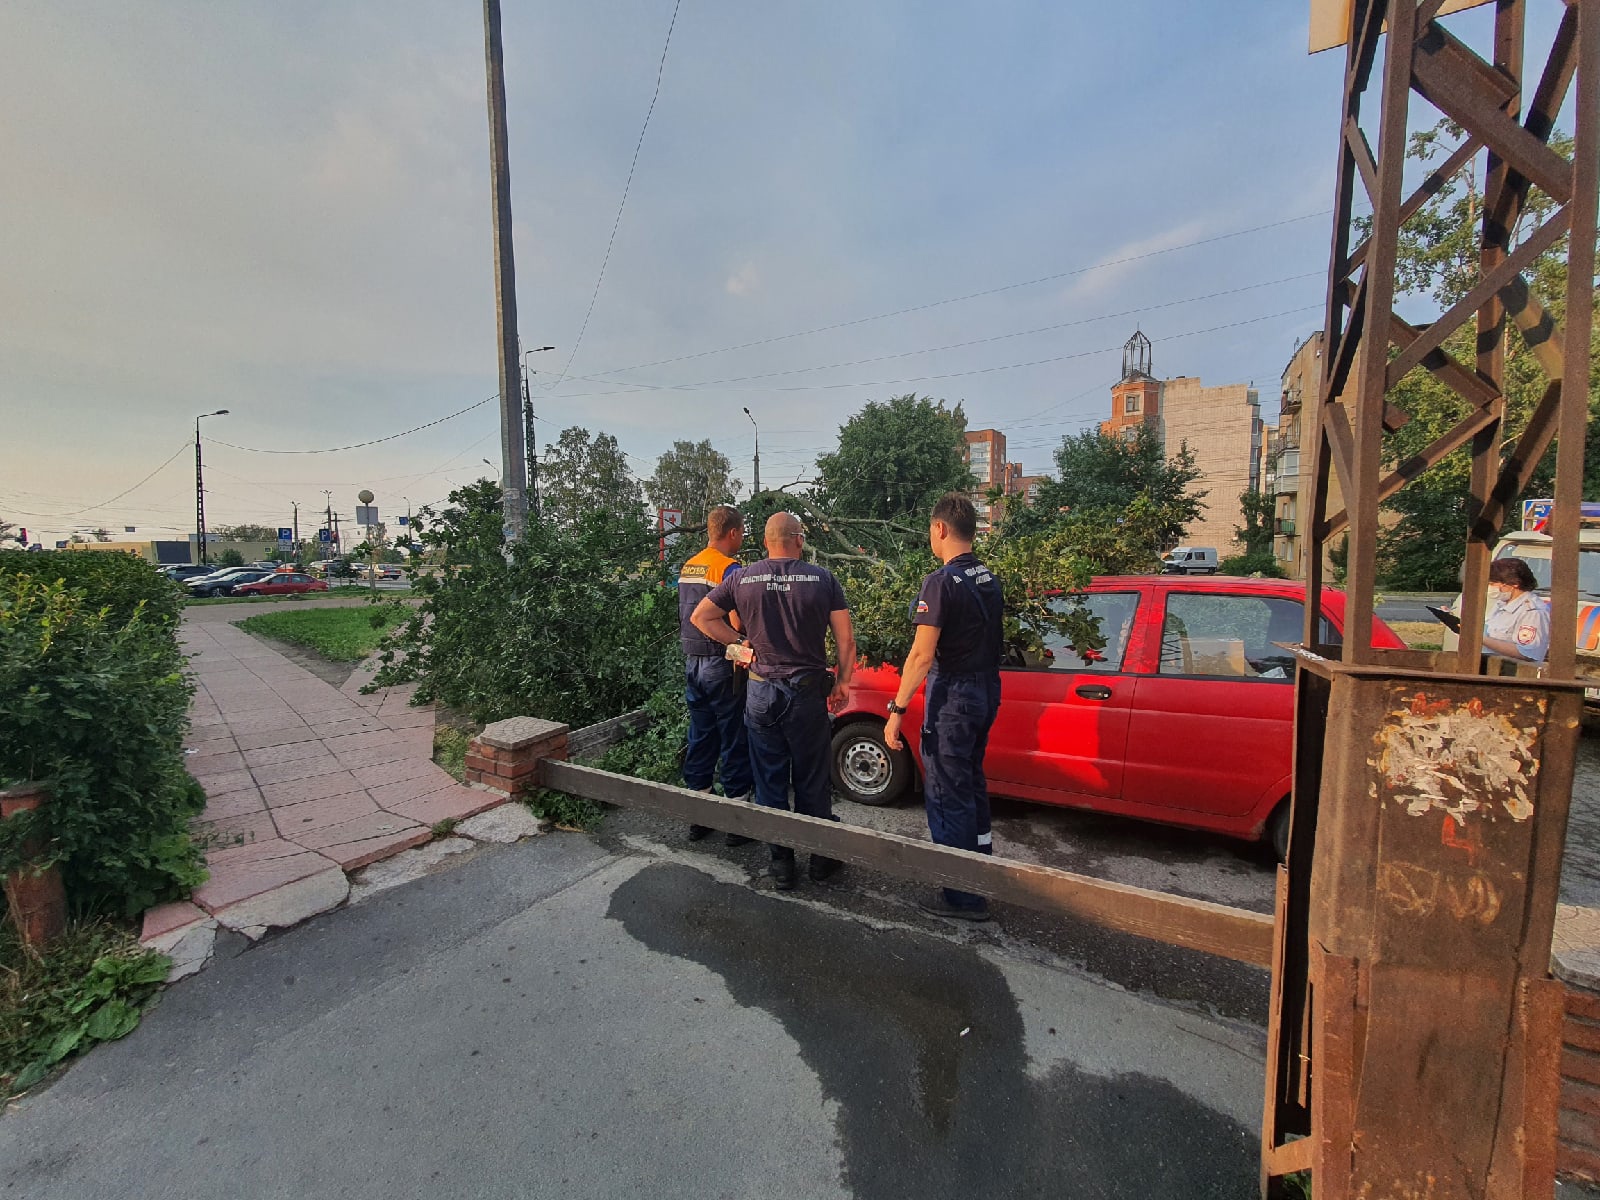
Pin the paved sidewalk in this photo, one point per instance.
(304, 782)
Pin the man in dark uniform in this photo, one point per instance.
(786, 607)
(713, 688)
(957, 650)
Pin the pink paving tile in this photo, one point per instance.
(232, 882)
(276, 737)
(401, 771)
(264, 850)
(365, 740)
(265, 723)
(233, 804)
(295, 819)
(282, 754)
(354, 855)
(164, 918)
(412, 718)
(231, 781)
(299, 766)
(376, 824)
(227, 834)
(375, 756)
(208, 766)
(298, 791)
(343, 728)
(389, 795)
(457, 802)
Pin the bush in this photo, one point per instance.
(110, 578)
(94, 702)
(1260, 563)
(229, 558)
(579, 625)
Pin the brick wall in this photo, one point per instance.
(1578, 1150)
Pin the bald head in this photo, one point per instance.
(783, 534)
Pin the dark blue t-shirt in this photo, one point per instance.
(784, 605)
(963, 601)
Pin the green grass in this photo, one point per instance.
(89, 986)
(338, 592)
(338, 634)
(450, 750)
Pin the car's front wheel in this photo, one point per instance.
(866, 770)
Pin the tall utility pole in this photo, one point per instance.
(513, 450)
(530, 442)
(200, 486)
(755, 488)
(295, 545)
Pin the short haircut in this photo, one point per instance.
(1513, 571)
(721, 520)
(956, 511)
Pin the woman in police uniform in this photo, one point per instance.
(1518, 624)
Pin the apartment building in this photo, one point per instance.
(986, 459)
(1221, 426)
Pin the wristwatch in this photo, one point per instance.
(898, 710)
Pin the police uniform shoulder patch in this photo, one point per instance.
(1527, 635)
(922, 606)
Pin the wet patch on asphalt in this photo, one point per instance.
(925, 1109)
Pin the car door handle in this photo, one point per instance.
(1093, 691)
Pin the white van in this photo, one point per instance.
(1190, 560)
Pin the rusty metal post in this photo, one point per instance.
(1414, 1035)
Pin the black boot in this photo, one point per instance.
(822, 867)
(784, 875)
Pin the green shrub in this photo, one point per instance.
(577, 624)
(1264, 564)
(229, 558)
(95, 703)
(109, 578)
(655, 752)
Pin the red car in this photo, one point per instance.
(1185, 717)
(281, 583)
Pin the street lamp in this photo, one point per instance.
(755, 489)
(529, 443)
(200, 486)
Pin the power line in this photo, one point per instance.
(994, 291)
(605, 260)
(371, 442)
(107, 503)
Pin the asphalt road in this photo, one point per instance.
(553, 1020)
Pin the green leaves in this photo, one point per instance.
(90, 986)
(895, 460)
(579, 625)
(93, 700)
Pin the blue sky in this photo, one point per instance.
(283, 209)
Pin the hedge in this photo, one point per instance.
(94, 701)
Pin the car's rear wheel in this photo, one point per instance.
(866, 770)
(1278, 830)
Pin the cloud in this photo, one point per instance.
(743, 281)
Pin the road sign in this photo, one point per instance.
(324, 535)
(61, 545)
(668, 521)
(404, 521)
(285, 533)
(366, 514)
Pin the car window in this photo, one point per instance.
(1230, 636)
(1113, 614)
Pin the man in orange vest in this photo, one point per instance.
(713, 687)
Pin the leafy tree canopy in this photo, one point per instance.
(583, 474)
(1437, 257)
(693, 478)
(1099, 478)
(247, 533)
(895, 459)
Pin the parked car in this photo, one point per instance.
(282, 583)
(330, 568)
(1185, 717)
(1190, 560)
(380, 571)
(183, 572)
(222, 583)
